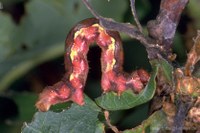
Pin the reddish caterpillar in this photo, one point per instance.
(113, 78)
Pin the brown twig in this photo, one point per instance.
(110, 24)
(114, 128)
(193, 56)
(182, 110)
(186, 86)
(152, 48)
(135, 15)
(126, 28)
(162, 30)
(164, 27)
(89, 7)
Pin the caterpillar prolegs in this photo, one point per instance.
(70, 88)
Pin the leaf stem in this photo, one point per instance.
(87, 4)
(114, 128)
(135, 15)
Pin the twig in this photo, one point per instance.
(114, 128)
(193, 56)
(152, 48)
(87, 4)
(182, 109)
(126, 28)
(135, 15)
(110, 24)
(163, 28)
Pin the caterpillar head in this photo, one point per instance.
(51, 95)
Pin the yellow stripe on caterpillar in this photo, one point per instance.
(111, 48)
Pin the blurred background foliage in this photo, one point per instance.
(32, 36)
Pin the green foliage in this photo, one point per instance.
(111, 101)
(157, 121)
(165, 70)
(84, 118)
(76, 119)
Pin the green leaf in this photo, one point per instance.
(42, 31)
(165, 70)
(100, 128)
(77, 119)
(7, 31)
(157, 121)
(110, 101)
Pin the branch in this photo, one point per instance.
(135, 15)
(110, 24)
(114, 128)
(126, 28)
(152, 48)
(89, 7)
(164, 27)
(193, 56)
(182, 110)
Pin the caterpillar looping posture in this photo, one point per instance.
(113, 78)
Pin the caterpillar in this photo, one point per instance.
(71, 86)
